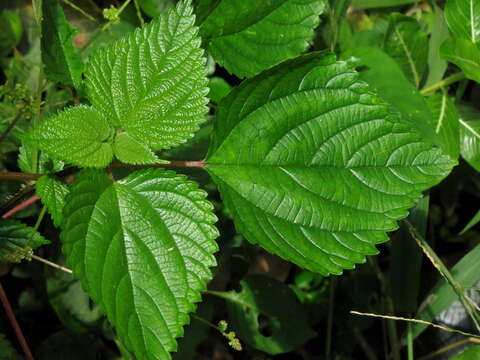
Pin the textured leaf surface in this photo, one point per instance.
(407, 43)
(131, 151)
(31, 161)
(62, 63)
(247, 37)
(152, 83)
(446, 123)
(52, 193)
(79, 135)
(470, 135)
(463, 18)
(314, 167)
(142, 248)
(262, 296)
(464, 54)
(17, 241)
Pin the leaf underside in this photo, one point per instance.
(142, 248)
(246, 37)
(314, 167)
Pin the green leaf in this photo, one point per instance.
(80, 135)
(473, 221)
(154, 8)
(219, 88)
(152, 83)
(470, 135)
(442, 295)
(463, 18)
(148, 240)
(446, 123)
(131, 151)
(286, 320)
(407, 44)
(62, 63)
(368, 4)
(314, 167)
(436, 65)
(464, 54)
(17, 241)
(30, 160)
(247, 36)
(11, 33)
(472, 353)
(378, 70)
(52, 193)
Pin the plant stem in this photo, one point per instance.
(19, 176)
(80, 10)
(367, 349)
(410, 342)
(206, 322)
(52, 264)
(183, 164)
(139, 12)
(442, 83)
(449, 347)
(5, 133)
(13, 321)
(20, 206)
(40, 218)
(443, 270)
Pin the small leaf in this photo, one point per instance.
(79, 135)
(446, 123)
(247, 37)
(316, 168)
(130, 151)
(268, 303)
(17, 241)
(152, 83)
(470, 135)
(464, 54)
(148, 240)
(473, 221)
(407, 43)
(52, 193)
(62, 63)
(30, 160)
(463, 18)
(219, 88)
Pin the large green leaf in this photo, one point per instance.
(407, 43)
(316, 168)
(62, 63)
(464, 54)
(152, 83)
(436, 65)
(470, 135)
(142, 248)
(52, 193)
(285, 319)
(446, 123)
(12, 29)
(248, 36)
(17, 241)
(463, 18)
(79, 135)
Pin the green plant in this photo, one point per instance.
(316, 157)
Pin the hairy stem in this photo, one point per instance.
(442, 83)
(13, 321)
(52, 264)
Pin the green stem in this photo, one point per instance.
(139, 12)
(442, 83)
(40, 217)
(443, 270)
(410, 342)
(5, 133)
(80, 10)
(206, 322)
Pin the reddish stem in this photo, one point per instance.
(13, 321)
(18, 176)
(21, 206)
(174, 163)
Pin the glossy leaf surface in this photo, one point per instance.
(142, 248)
(247, 36)
(52, 193)
(316, 168)
(464, 54)
(470, 135)
(463, 18)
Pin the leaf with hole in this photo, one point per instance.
(247, 36)
(316, 168)
(142, 248)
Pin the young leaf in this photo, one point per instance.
(463, 18)
(470, 135)
(262, 296)
(62, 63)
(30, 160)
(52, 193)
(79, 135)
(446, 123)
(152, 83)
(17, 241)
(142, 248)
(247, 37)
(464, 54)
(314, 167)
(407, 43)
